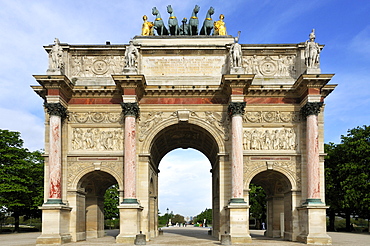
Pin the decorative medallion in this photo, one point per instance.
(268, 68)
(100, 67)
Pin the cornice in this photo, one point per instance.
(306, 81)
(56, 82)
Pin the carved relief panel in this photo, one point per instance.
(96, 66)
(97, 139)
(271, 66)
(270, 139)
(271, 117)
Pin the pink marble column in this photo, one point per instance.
(131, 111)
(56, 112)
(311, 111)
(236, 110)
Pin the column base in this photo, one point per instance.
(239, 221)
(55, 225)
(313, 201)
(53, 239)
(237, 200)
(313, 221)
(129, 222)
(130, 201)
(54, 202)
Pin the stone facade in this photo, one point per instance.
(109, 123)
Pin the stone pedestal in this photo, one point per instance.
(237, 70)
(55, 225)
(239, 223)
(314, 221)
(130, 70)
(129, 222)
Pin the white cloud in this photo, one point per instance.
(30, 127)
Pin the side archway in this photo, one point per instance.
(280, 200)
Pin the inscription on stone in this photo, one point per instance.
(185, 65)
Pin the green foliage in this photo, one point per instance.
(206, 214)
(177, 218)
(257, 201)
(111, 202)
(21, 177)
(347, 174)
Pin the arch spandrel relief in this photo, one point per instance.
(77, 169)
(148, 121)
(288, 167)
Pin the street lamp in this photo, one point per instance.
(167, 216)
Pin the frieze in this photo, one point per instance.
(270, 139)
(94, 117)
(271, 117)
(75, 168)
(96, 66)
(100, 139)
(270, 66)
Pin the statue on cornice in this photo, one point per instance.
(147, 28)
(219, 26)
(131, 55)
(312, 52)
(56, 63)
(236, 53)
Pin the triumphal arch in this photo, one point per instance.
(113, 111)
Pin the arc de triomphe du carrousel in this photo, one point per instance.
(112, 112)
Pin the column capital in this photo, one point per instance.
(130, 109)
(236, 108)
(311, 108)
(56, 109)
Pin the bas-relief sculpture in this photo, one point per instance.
(101, 139)
(281, 65)
(271, 117)
(270, 139)
(92, 66)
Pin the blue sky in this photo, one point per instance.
(343, 26)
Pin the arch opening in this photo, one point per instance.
(279, 203)
(89, 204)
(197, 144)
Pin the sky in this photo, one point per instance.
(26, 26)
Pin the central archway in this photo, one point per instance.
(186, 135)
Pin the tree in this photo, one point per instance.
(177, 218)
(206, 214)
(257, 201)
(348, 174)
(21, 177)
(111, 202)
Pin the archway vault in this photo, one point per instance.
(183, 135)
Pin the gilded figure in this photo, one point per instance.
(219, 26)
(147, 28)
